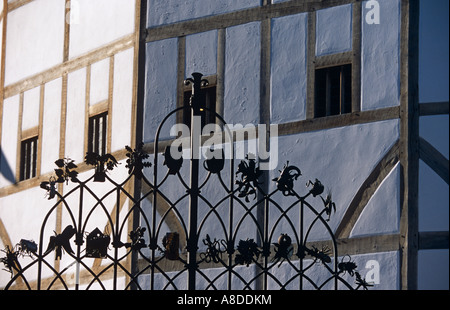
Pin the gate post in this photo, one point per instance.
(195, 144)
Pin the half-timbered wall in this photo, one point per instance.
(64, 61)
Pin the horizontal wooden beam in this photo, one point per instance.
(433, 240)
(239, 17)
(434, 108)
(70, 66)
(339, 120)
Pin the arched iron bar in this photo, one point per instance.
(309, 280)
(263, 272)
(171, 280)
(175, 210)
(20, 274)
(280, 218)
(98, 275)
(248, 212)
(212, 209)
(205, 181)
(230, 270)
(57, 274)
(103, 207)
(63, 202)
(338, 280)
(333, 239)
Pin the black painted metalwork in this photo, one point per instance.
(218, 237)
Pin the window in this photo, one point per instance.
(97, 133)
(333, 91)
(208, 116)
(28, 158)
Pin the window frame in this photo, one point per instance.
(333, 90)
(97, 139)
(29, 148)
(210, 100)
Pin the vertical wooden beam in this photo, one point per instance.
(264, 118)
(87, 103)
(138, 111)
(311, 59)
(409, 143)
(40, 128)
(66, 31)
(181, 77)
(220, 85)
(110, 104)
(356, 60)
(19, 137)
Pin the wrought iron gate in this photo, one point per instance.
(202, 226)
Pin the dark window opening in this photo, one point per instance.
(98, 133)
(208, 114)
(28, 158)
(333, 91)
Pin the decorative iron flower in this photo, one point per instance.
(99, 161)
(135, 161)
(247, 250)
(249, 177)
(285, 182)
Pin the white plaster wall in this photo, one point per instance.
(334, 30)
(96, 23)
(52, 120)
(31, 103)
(35, 39)
(172, 11)
(388, 275)
(26, 225)
(122, 99)
(99, 88)
(341, 158)
(75, 116)
(160, 86)
(10, 126)
(380, 61)
(382, 213)
(201, 53)
(242, 74)
(1, 38)
(288, 68)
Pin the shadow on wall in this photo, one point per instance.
(5, 168)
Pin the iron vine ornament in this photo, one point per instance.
(147, 246)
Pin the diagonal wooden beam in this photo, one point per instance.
(366, 191)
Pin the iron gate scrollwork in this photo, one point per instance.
(246, 238)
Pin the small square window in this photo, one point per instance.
(28, 158)
(97, 133)
(209, 101)
(333, 91)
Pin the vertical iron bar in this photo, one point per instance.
(301, 245)
(266, 241)
(194, 169)
(231, 214)
(78, 235)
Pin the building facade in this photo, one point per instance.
(337, 79)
